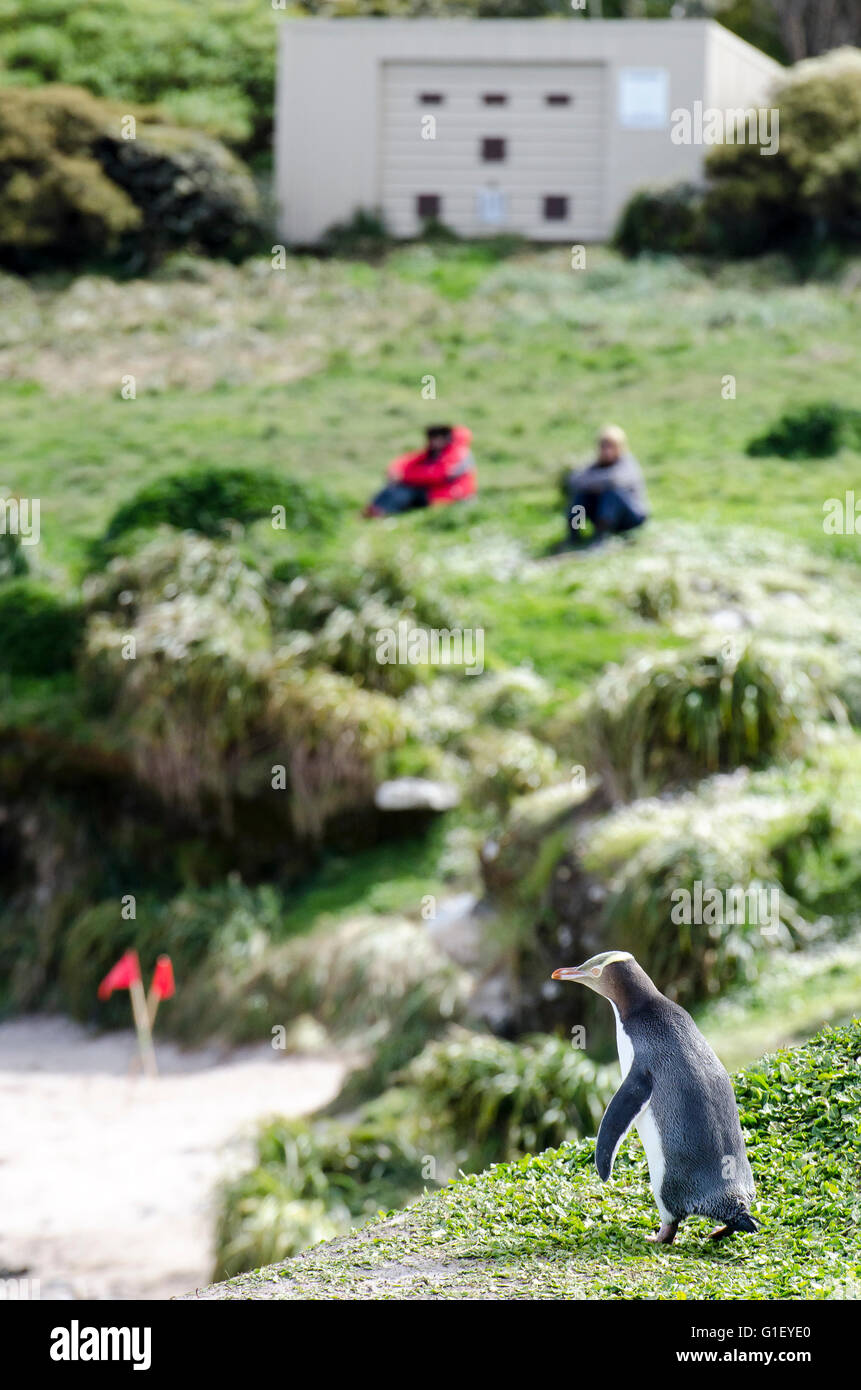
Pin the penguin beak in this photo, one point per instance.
(568, 972)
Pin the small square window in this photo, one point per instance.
(492, 149)
(555, 208)
(494, 99)
(558, 99)
(430, 98)
(428, 205)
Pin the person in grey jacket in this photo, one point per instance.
(610, 493)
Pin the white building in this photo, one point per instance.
(538, 127)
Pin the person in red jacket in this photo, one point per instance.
(444, 471)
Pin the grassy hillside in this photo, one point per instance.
(319, 367)
(315, 373)
(546, 1228)
(679, 708)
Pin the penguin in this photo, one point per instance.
(679, 1097)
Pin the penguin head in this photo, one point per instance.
(607, 974)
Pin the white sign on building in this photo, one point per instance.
(644, 98)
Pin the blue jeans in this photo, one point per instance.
(400, 497)
(610, 512)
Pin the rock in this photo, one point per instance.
(415, 794)
(456, 929)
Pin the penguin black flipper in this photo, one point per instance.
(629, 1101)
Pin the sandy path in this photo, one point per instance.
(106, 1180)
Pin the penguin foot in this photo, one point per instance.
(666, 1235)
(720, 1231)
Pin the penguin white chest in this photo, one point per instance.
(624, 1046)
(645, 1121)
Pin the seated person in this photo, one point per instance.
(444, 471)
(610, 493)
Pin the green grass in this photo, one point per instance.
(532, 355)
(391, 878)
(795, 997)
(545, 1227)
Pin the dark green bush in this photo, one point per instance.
(190, 190)
(57, 204)
(13, 560)
(209, 499)
(662, 219)
(364, 237)
(73, 190)
(748, 206)
(813, 431)
(39, 632)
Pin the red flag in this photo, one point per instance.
(124, 974)
(163, 986)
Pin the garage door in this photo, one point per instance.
(515, 147)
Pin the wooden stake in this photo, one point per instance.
(152, 1003)
(143, 1028)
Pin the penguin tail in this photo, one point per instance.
(743, 1221)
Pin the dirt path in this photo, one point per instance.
(106, 1180)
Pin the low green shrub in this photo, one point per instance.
(665, 219)
(364, 237)
(216, 723)
(40, 633)
(349, 641)
(514, 698)
(217, 726)
(811, 431)
(173, 564)
(781, 847)
(689, 959)
(336, 615)
(692, 712)
(208, 500)
(745, 836)
(380, 981)
(505, 764)
(500, 1099)
(13, 557)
